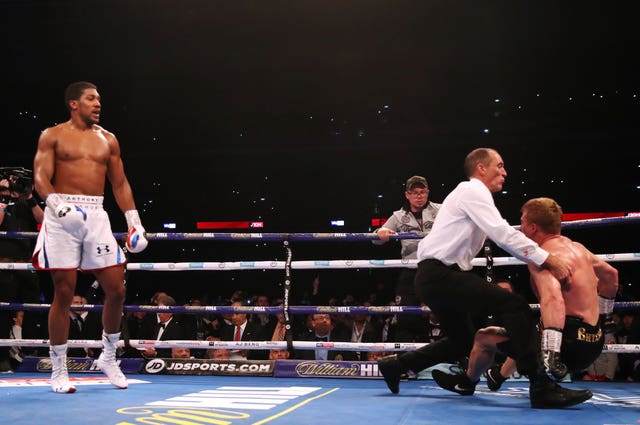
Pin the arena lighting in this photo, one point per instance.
(377, 222)
(204, 225)
(337, 223)
(169, 225)
(591, 215)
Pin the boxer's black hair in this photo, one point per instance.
(75, 90)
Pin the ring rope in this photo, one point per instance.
(592, 222)
(302, 309)
(262, 345)
(313, 264)
(288, 265)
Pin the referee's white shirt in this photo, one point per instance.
(466, 218)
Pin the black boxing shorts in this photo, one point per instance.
(581, 343)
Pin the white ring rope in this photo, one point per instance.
(279, 265)
(263, 345)
(304, 309)
(313, 264)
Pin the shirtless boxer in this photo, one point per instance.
(70, 168)
(571, 310)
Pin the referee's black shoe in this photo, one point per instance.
(392, 371)
(549, 395)
(494, 378)
(457, 383)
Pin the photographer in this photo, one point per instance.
(19, 211)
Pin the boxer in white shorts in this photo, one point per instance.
(92, 247)
(70, 169)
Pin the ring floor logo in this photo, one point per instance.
(225, 405)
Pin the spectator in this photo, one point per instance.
(84, 325)
(243, 330)
(373, 356)
(629, 333)
(165, 326)
(15, 352)
(201, 325)
(19, 211)
(261, 319)
(216, 353)
(434, 330)
(363, 330)
(279, 354)
(181, 353)
(156, 296)
(278, 333)
(324, 329)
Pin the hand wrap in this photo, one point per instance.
(553, 365)
(605, 305)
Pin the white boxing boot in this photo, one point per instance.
(107, 361)
(59, 374)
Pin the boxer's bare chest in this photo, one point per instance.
(88, 145)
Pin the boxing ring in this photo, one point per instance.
(184, 391)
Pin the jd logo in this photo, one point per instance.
(154, 366)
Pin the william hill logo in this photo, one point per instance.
(325, 369)
(73, 365)
(327, 309)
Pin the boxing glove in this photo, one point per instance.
(70, 216)
(136, 240)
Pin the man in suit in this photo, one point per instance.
(85, 325)
(243, 330)
(363, 330)
(165, 326)
(324, 329)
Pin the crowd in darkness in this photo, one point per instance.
(351, 287)
(354, 287)
(316, 291)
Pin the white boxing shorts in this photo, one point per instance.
(90, 247)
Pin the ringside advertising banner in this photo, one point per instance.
(326, 369)
(78, 364)
(210, 367)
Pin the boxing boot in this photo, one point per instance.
(107, 361)
(553, 366)
(392, 371)
(545, 394)
(59, 373)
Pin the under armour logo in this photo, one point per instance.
(103, 249)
